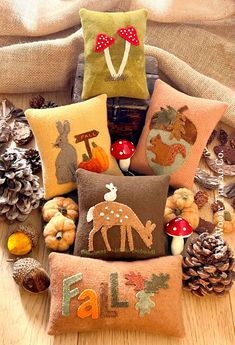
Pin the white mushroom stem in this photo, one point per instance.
(177, 245)
(124, 59)
(124, 164)
(109, 63)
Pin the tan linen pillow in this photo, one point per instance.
(91, 294)
(176, 130)
(69, 137)
(121, 216)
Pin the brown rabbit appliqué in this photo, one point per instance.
(66, 161)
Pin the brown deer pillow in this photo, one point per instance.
(89, 294)
(121, 216)
(176, 130)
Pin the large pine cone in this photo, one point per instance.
(208, 267)
(20, 191)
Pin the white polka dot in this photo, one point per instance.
(102, 214)
(107, 218)
(179, 218)
(121, 220)
(112, 212)
(120, 142)
(121, 153)
(117, 215)
(167, 224)
(184, 228)
(175, 228)
(126, 217)
(120, 210)
(106, 207)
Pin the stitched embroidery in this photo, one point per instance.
(103, 42)
(107, 214)
(66, 161)
(69, 294)
(104, 310)
(115, 303)
(170, 139)
(90, 306)
(95, 159)
(146, 288)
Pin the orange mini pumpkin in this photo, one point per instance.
(92, 164)
(59, 233)
(60, 205)
(101, 155)
(190, 213)
(227, 219)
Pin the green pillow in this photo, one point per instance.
(114, 54)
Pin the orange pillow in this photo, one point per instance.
(176, 130)
(91, 294)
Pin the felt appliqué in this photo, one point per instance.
(103, 42)
(90, 306)
(115, 303)
(170, 139)
(66, 161)
(67, 293)
(104, 310)
(95, 158)
(109, 213)
(146, 288)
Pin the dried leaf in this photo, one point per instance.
(229, 190)
(214, 165)
(205, 180)
(5, 110)
(204, 226)
(144, 304)
(135, 279)
(227, 151)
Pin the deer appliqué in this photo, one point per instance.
(110, 213)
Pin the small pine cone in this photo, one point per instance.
(37, 102)
(5, 132)
(212, 137)
(18, 113)
(217, 206)
(21, 132)
(33, 159)
(201, 198)
(208, 266)
(223, 137)
(49, 104)
(232, 142)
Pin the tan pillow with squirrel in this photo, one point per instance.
(91, 294)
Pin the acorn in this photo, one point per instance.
(22, 239)
(29, 274)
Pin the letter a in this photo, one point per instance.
(90, 306)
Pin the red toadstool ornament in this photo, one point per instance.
(123, 150)
(129, 34)
(179, 229)
(103, 42)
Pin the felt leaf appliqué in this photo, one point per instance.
(135, 279)
(156, 282)
(144, 304)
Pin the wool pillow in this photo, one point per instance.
(69, 137)
(121, 216)
(176, 130)
(114, 54)
(89, 294)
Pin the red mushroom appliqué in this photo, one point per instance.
(123, 150)
(179, 229)
(103, 42)
(129, 34)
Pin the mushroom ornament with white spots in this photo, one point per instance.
(123, 150)
(178, 228)
(103, 42)
(129, 34)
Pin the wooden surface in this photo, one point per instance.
(23, 317)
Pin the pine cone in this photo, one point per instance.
(20, 191)
(17, 113)
(201, 198)
(5, 132)
(217, 206)
(21, 132)
(37, 102)
(32, 157)
(49, 104)
(208, 267)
